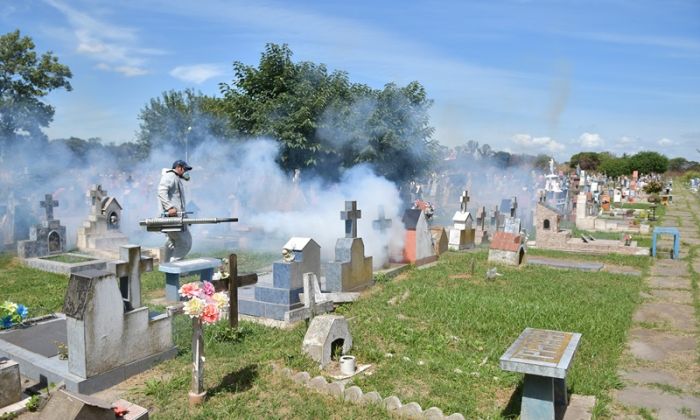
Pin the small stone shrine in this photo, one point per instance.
(46, 238)
(277, 298)
(440, 240)
(462, 234)
(507, 248)
(327, 333)
(100, 233)
(351, 271)
(418, 245)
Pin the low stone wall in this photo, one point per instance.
(355, 395)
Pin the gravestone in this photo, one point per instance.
(382, 225)
(128, 270)
(279, 298)
(496, 221)
(15, 221)
(351, 270)
(102, 335)
(544, 356)
(462, 234)
(325, 334)
(481, 234)
(440, 240)
(45, 238)
(512, 225)
(418, 244)
(100, 233)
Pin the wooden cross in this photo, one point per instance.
(463, 201)
(350, 215)
(49, 203)
(234, 282)
(382, 223)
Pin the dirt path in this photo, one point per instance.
(660, 374)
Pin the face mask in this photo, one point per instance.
(186, 176)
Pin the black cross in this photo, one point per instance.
(382, 223)
(480, 219)
(350, 215)
(233, 283)
(49, 203)
(513, 206)
(463, 201)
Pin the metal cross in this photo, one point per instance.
(49, 203)
(382, 223)
(463, 201)
(350, 215)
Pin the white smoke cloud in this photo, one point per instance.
(197, 73)
(665, 142)
(547, 144)
(591, 140)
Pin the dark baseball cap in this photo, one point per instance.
(182, 163)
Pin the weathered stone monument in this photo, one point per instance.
(100, 233)
(10, 384)
(462, 234)
(278, 298)
(351, 271)
(440, 240)
(418, 245)
(46, 238)
(507, 248)
(108, 333)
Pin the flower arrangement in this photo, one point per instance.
(12, 313)
(204, 303)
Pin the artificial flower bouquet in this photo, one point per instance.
(12, 313)
(204, 302)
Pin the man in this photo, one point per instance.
(171, 194)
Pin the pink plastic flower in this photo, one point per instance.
(208, 288)
(190, 290)
(210, 314)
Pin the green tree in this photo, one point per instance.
(25, 78)
(613, 166)
(648, 162)
(324, 122)
(180, 119)
(586, 160)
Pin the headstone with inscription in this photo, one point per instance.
(544, 356)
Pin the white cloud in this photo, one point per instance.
(197, 73)
(665, 142)
(114, 47)
(540, 143)
(625, 140)
(591, 140)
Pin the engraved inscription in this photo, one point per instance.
(542, 346)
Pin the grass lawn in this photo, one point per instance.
(433, 336)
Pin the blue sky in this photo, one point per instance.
(523, 76)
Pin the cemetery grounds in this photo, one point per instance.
(433, 336)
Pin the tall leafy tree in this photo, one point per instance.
(25, 78)
(649, 162)
(179, 119)
(326, 123)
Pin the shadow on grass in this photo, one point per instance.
(512, 409)
(238, 381)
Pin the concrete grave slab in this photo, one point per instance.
(680, 317)
(659, 346)
(565, 264)
(40, 339)
(646, 376)
(664, 269)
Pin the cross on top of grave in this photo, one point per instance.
(96, 194)
(513, 206)
(350, 215)
(128, 269)
(49, 203)
(481, 216)
(463, 201)
(381, 223)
